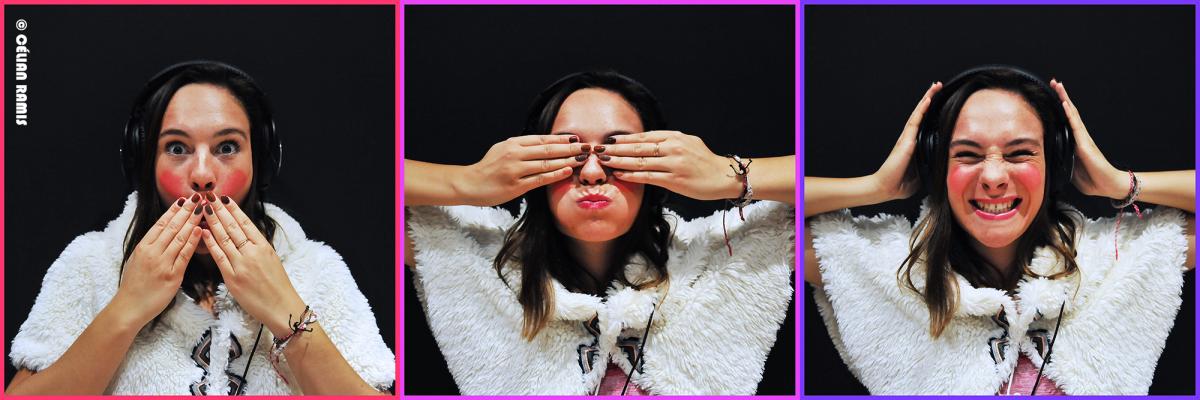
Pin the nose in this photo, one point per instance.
(994, 176)
(592, 173)
(203, 177)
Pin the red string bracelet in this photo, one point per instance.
(1135, 189)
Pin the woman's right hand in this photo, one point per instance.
(154, 271)
(518, 165)
(896, 179)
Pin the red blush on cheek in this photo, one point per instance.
(1029, 177)
(234, 183)
(959, 178)
(172, 185)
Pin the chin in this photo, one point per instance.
(595, 233)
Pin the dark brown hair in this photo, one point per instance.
(940, 242)
(534, 241)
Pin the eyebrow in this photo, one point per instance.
(613, 133)
(1014, 142)
(223, 132)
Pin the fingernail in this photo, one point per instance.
(208, 209)
(581, 157)
(604, 157)
(599, 149)
(224, 199)
(211, 197)
(195, 197)
(197, 211)
(573, 139)
(179, 202)
(610, 140)
(585, 148)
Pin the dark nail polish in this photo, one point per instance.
(604, 157)
(598, 149)
(224, 199)
(208, 209)
(197, 210)
(581, 157)
(585, 148)
(179, 202)
(573, 139)
(211, 197)
(610, 140)
(195, 197)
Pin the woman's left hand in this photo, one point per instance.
(676, 161)
(1093, 174)
(252, 270)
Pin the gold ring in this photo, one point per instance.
(239, 245)
(656, 153)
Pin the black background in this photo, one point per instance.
(723, 73)
(1128, 69)
(327, 71)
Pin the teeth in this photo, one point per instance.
(995, 208)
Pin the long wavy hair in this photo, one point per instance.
(540, 249)
(941, 243)
(198, 282)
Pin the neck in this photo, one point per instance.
(593, 256)
(1003, 258)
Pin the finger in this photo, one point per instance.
(635, 163)
(648, 177)
(180, 238)
(551, 165)
(534, 140)
(642, 137)
(220, 234)
(914, 119)
(546, 151)
(545, 178)
(637, 149)
(245, 222)
(161, 224)
(1061, 90)
(189, 248)
(219, 256)
(230, 224)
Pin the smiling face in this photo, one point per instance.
(591, 206)
(996, 176)
(203, 144)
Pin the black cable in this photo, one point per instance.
(641, 351)
(246, 378)
(1049, 349)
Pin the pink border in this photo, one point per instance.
(400, 167)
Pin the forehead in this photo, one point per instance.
(992, 115)
(204, 108)
(589, 112)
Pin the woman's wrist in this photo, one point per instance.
(125, 318)
(281, 319)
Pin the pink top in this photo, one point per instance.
(1023, 378)
(614, 381)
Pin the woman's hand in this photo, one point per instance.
(518, 165)
(250, 267)
(154, 271)
(897, 178)
(676, 161)
(1093, 175)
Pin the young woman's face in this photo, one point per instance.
(591, 206)
(997, 168)
(204, 144)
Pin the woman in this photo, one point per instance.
(174, 296)
(998, 288)
(558, 301)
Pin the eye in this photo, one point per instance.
(967, 156)
(175, 148)
(1020, 155)
(227, 148)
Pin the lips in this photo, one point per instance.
(593, 201)
(996, 209)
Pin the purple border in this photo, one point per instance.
(400, 163)
(800, 127)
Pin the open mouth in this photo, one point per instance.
(996, 209)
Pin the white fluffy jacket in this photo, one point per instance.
(1112, 333)
(711, 335)
(84, 279)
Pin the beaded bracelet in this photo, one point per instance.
(1135, 189)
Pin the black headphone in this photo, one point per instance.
(135, 128)
(1059, 141)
